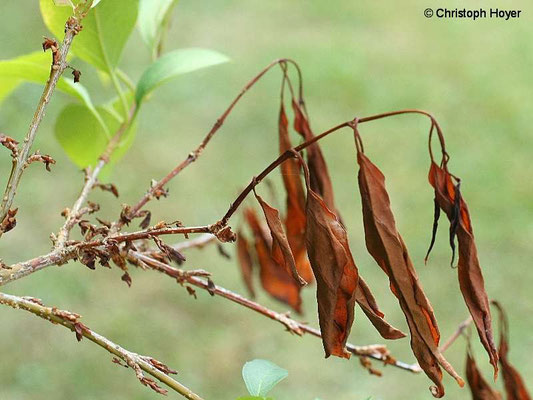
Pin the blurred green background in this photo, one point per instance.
(358, 58)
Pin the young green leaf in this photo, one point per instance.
(260, 376)
(105, 30)
(84, 139)
(35, 68)
(152, 15)
(173, 64)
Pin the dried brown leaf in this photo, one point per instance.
(470, 276)
(386, 246)
(280, 250)
(275, 278)
(479, 387)
(515, 387)
(318, 170)
(295, 217)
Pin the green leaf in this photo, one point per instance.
(35, 67)
(254, 398)
(173, 64)
(84, 139)
(152, 15)
(105, 30)
(260, 376)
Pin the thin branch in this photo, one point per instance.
(135, 361)
(60, 256)
(376, 352)
(193, 156)
(460, 329)
(59, 64)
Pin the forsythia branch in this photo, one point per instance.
(138, 363)
(59, 64)
(376, 352)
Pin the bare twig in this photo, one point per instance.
(59, 64)
(193, 156)
(376, 352)
(460, 329)
(135, 361)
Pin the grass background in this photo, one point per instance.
(357, 59)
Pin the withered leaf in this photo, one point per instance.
(145, 223)
(386, 246)
(108, 187)
(335, 273)
(170, 251)
(280, 250)
(10, 144)
(479, 387)
(515, 387)
(153, 385)
(470, 276)
(245, 262)
(10, 220)
(318, 170)
(77, 74)
(338, 283)
(275, 278)
(126, 278)
(295, 216)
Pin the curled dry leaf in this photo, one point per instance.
(170, 251)
(295, 217)
(280, 250)
(318, 170)
(386, 246)
(108, 187)
(245, 262)
(10, 144)
(470, 276)
(9, 221)
(77, 75)
(126, 278)
(479, 387)
(275, 278)
(515, 387)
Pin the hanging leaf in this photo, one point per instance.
(99, 43)
(174, 64)
(281, 251)
(386, 246)
(479, 387)
(515, 388)
(295, 217)
(260, 376)
(152, 15)
(320, 180)
(35, 68)
(275, 278)
(470, 276)
(245, 262)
